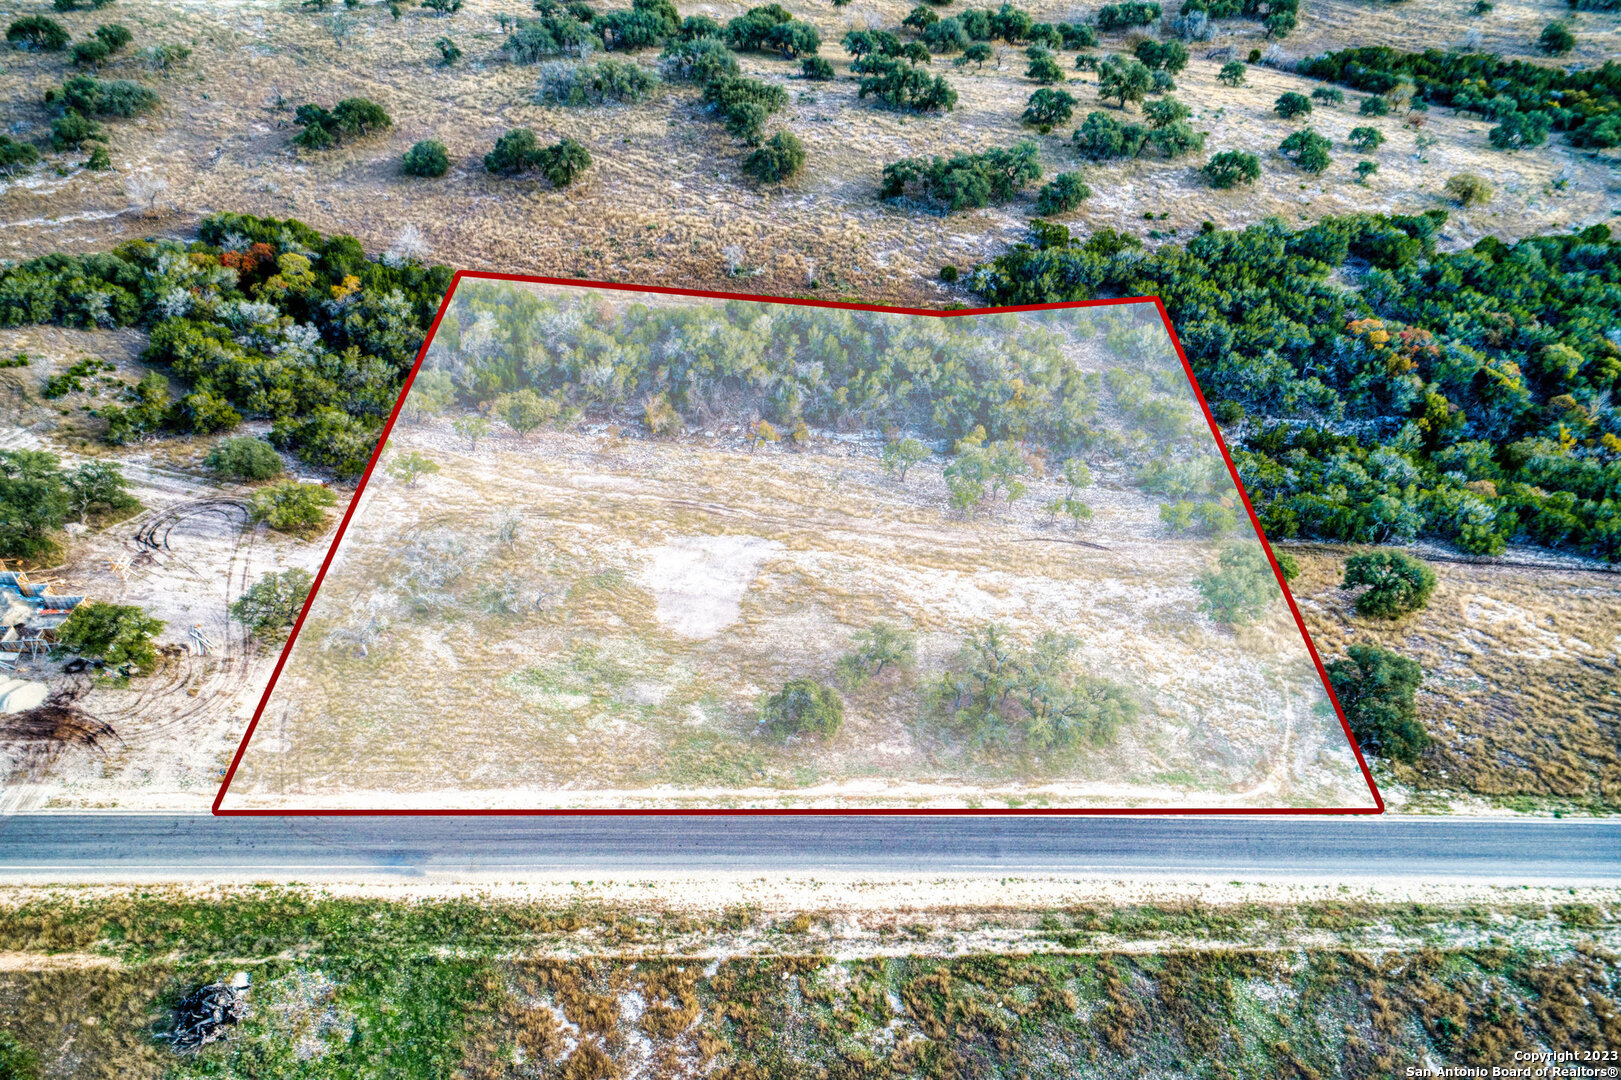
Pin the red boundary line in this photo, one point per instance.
(365, 478)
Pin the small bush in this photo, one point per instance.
(608, 80)
(1366, 139)
(38, 33)
(1048, 108)
(816, 68)
(781, 157)
(964, 181)
(1398, 584)
(244, 458)
(534, 40)
(449, 51)
(291, 507)
(1469, 189)
(1291, 105)
(271, 606)
(1309, 149)
(352, 118)
(90, 53)
(73, 129)
(15, 156)
(1230, 168)
(427, 158)
(1374, 106)
(1329, 95)
(165, 58)
(1241, 587)
(949, 274)
(1232, 73)
(1556, 39)
(118, 635)
(803, 707)
(517, 152)
(1061, 194)
(1044, 69)
(1365, 169)
(1124, 16)
(701, 61)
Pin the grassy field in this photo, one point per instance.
(592, 617)
(666, 201)
(361, 986)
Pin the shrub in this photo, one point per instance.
(1241, 587)
(1376, 687)
(904, 87)
(1520, 131)
(1230, 168)
(610, 79)
(878, 647)
(1365, 169)
(533, 40)
(1125, 78)
(1556, 39)
(1309, 149)
(1124, 16)
(93, 97)
(449, 51)
(292, 507)
(1101, 137)
(975, 54)
(964, 181)
(427, 158)
(1232, 73)
(38, 33)
(920, 18)
(352, 118)
(1077, 36)
(1374, 106)
(772, 29)
(779, 158)
(1291, 105)
(1398, 583)
(945, 36)
(443, 7)
(949, 274)
(118, 635)
(1168, 56)
(244, 458)
(1329, 95)
(1165, 112)
(701, 61)
(271, 605)
(816, 68)
(1468, 189)
(15, 155)
(1366, 139)
(1044, 69)
(1061, 194)
(90, 53)
(803, 707)
(164, 58)
(1048, 108)
(73, 129)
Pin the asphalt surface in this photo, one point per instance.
(157, 847)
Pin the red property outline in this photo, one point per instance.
(365, 478)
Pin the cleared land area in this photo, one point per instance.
(585, 619)
(666, 201)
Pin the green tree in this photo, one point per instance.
(779, 158)
(292, 507)
(410, 466)
(1061, 194)
(472, 428)
(119, 636)
(1556, 39)
(38, 33)
(427, 158)
(97, 488)
(1469, 189)
(1366, 140)
(449, 51)
(816, 69)
(34, 503)
(271, 606)
(803, 707)
(1231, 168)
(1376, 688)
(1365, 169)
(244, 458)
(878, 647)
(1124, 78)
(1232, 73)
(975, 54)
(1398, 584)
(899, 455)
(524, 410)
(431, 394)
(1290, 105)
(1310, 150)
(17, 1062)
(1240, 588)
(1047, 108)
(1044, 69)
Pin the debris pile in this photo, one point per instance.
(204, 1014)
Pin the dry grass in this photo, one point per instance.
(665, 202)
(1522, 689)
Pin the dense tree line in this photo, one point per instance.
(1464, 397)
(1526, 100)
(258, 318)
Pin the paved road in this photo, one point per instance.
(155, 847)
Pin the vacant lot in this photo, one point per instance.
(584, 618)
(666, 201)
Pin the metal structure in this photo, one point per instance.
(29, 613)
